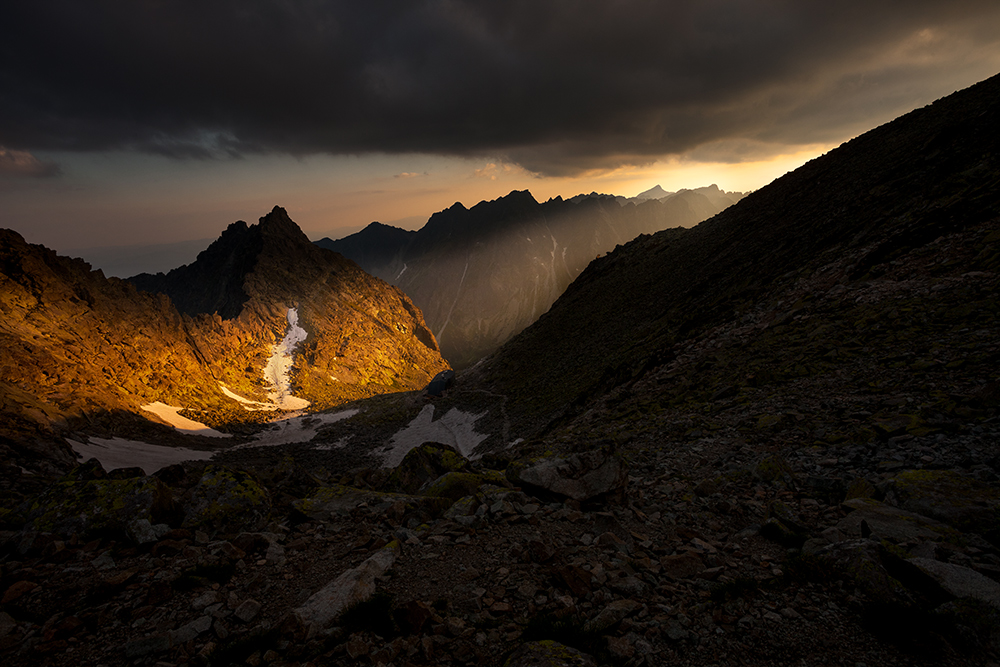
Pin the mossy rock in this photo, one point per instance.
(226, 501)
(456, 485)
(860, 488)
(99, 505)
(862, 562)
(774, 469)
(424, 464)
(960, 501)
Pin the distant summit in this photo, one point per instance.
(482, 274)
(655, 192)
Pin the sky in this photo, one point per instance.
(156, 122)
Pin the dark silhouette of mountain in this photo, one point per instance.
(841, 219)
(481, 275)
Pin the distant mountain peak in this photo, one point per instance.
(655, 192)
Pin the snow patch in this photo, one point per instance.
(296, 429)
(278, 366)
(121, 453)
(401, 272)
(168, 413)
(455, 428)
(257, 406)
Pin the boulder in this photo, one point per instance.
(958, 581)
(862, 562)
(580, 476)
(955, 499)
(893, 524)
(456, 485)
(425, 464)
(97, 505)
(226, 501)
(351, 587)
(612, 615)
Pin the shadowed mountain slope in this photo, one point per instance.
(481, 275)
(930, 173)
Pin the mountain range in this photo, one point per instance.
(767, 439)
(83, 352)
(481, 275)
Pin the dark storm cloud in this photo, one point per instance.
(557, 86)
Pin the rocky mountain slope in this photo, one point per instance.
(772, 439)
(364, 337)
(83, 353)
(483, 274)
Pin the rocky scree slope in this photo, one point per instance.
(481, 275)
(805, 475)
(896, 189)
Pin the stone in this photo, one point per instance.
(18, 590)
(141, 531)
(959, 581)
(247, 611)
(952, 498)
(340, 500)
(550, 654)
(424, 464)
(146, 645)
(892, 523)
(861, 561)
(189, 631)
(612, 615)
(581, 476)
(682, 566)
(577, 579)
(353, 586)
(7, 624)
(457, 485)
(412, 616)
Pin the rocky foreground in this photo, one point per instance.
(711, 553)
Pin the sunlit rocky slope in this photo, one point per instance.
(85, 353)
(481, 275)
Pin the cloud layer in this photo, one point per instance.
(556, 86)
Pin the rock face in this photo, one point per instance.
(363, 337)
(483, 274)
(83, 353)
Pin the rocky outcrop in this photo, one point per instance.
(350, 588)
(364, 337)
(580, 476)
(226, 501)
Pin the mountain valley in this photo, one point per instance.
(481, 275)
(771, 438)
